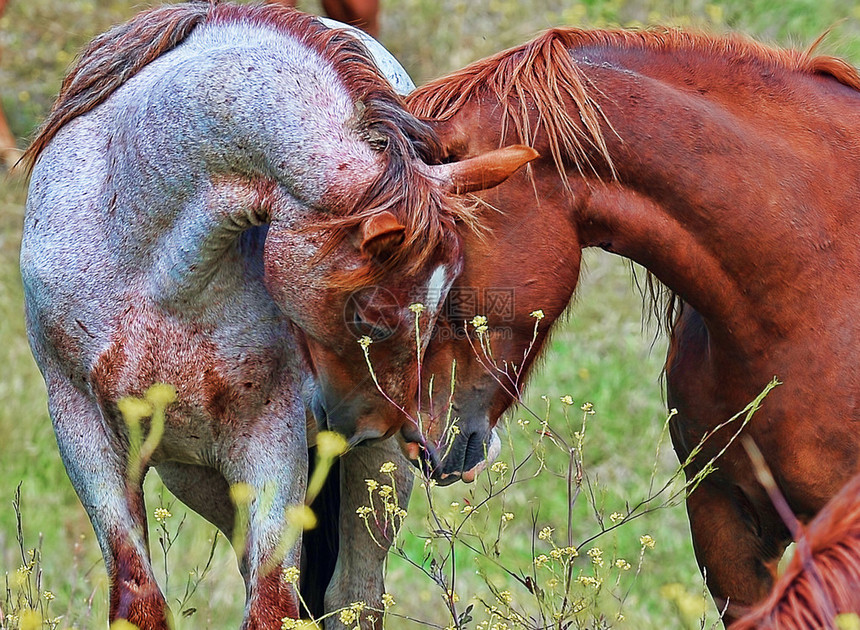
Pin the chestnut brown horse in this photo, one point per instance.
(363, 14)
(823, 578)
(213, 185)
(730, 171)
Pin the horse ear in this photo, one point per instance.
(484, 171)
(380, 233)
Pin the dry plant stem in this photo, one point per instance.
(409, 418)
(765, 478)
(192, 584)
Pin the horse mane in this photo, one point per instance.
(382, 120)
(110, 60)
(542, 74)
(537, 81)
(822, 579)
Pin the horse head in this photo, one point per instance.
(498, 311)
(364, 302)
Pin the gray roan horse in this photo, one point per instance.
(211, 186)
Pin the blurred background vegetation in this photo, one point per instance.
(603, 354)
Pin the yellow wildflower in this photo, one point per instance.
(290, 574)
(160, 395)
(499, 467)
(847, 621)
(347, 616)
(596, 555)
(301, 516)
(162, 514)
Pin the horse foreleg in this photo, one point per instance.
(739, 563)
(113, 502)
(266, 469)
(364, 545)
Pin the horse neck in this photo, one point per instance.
(215, 137)
(724, 194)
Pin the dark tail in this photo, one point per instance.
(320, 545)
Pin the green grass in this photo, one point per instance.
(601, 355)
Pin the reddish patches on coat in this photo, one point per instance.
(275, 599)
(218, 396)
(105, 375)
(63, 343)
(151, 346)
(134, 594)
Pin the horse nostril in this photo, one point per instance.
(476, 451)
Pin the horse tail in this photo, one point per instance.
(822, 578)
(320, 545)
(113, 58)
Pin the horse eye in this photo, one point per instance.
(376, 330)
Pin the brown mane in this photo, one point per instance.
(541, 76)
(823, 578)
(113, 58)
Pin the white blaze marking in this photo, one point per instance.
(436, 287)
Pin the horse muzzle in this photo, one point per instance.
(467, 455)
